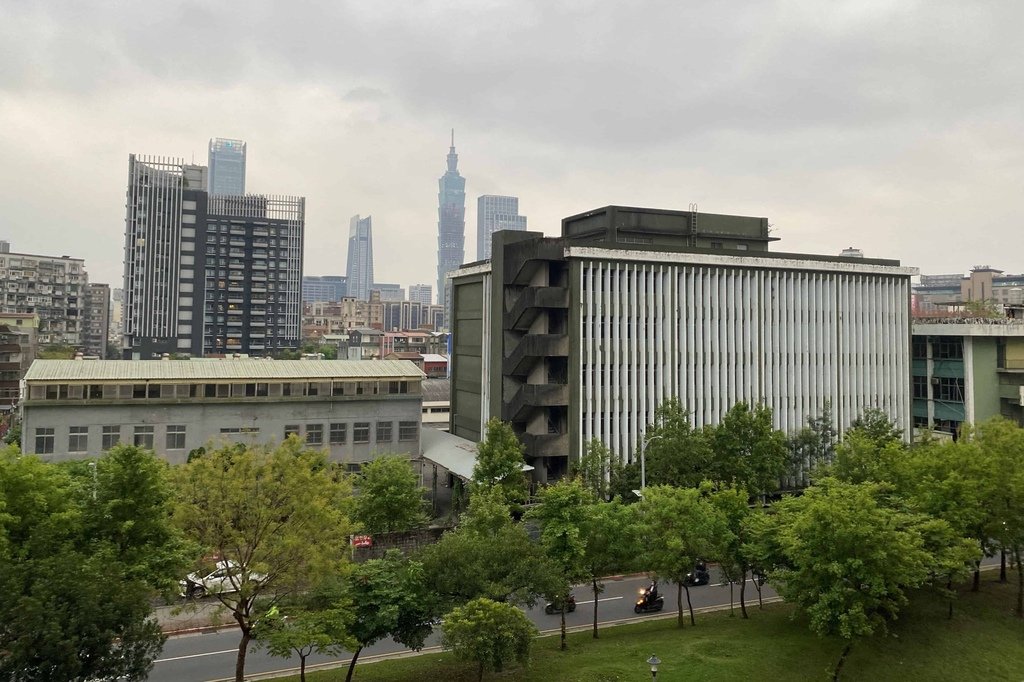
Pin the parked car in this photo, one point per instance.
(225, 578)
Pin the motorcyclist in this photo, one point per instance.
(652, 592)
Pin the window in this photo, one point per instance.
(339, 433)
(111, 436)
(78, 439)
(948, 348)
(315, 434)
(920, 387)
(175, 436)
(144, 437)
(291, 429)
(919, 348)
(361, 432)
(408, 431)
(949, 389)
(384, 434)
(44, 441)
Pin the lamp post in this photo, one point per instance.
(654, 662)
(643, 461)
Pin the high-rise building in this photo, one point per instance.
(96, 328)
(324, 288)
(360, 257)
(584, 336)
(451, 222)
(389, 292)
(52, 287)
(421, 293)
(495, 213)
(207, 274)
(227, 166)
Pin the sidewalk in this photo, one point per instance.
(183, 617)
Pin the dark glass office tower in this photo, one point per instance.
(451, 222)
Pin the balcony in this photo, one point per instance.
(530, 303)
(530, 348)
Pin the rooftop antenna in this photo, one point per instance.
(453, 137)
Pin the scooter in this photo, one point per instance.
(644, 604)
(554, 607)
(699, 575)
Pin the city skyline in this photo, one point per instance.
(839, 126)
(359, 273)
(451, 221)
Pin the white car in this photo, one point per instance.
(225, 578)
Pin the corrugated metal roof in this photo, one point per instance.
(194, 370)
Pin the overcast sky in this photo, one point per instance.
(894, 127)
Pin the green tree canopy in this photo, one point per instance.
(499, 462)
(747, 450)
(390, 498)
(279, 515)
(675, 453)
(594, 468)
(613, 543)
(489, 633)
(304, 628)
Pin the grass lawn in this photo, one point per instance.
(983, 641)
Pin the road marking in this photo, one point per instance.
(208, 653)
(591, 601)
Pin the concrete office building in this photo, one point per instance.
(360, 257)
(451, 222)
(421, 293)
(584, 336)
(355, 410)
(324, 288)
(18, 348)
(96, 330)
(207, 273)
(934, 295)
(494, 213)
(51, 287)
(227, 166)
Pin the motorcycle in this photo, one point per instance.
(555, 607)
(646, 604)
(699, 575)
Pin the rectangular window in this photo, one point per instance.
(408, 431)
(291, 429)
(920, 387)
(143, 437)
(361, 432)
(175, 436)
(315, 434)
(78, 439)
(950, 390)
(44, 441)
(384, 434)
(111, 436)
(339, 433)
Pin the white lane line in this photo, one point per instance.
(208, 653)
(591, 601)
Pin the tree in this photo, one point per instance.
(877, 426)
(747, 451)
(864, 457)
(846, 559)
(612, 537)
(731, 553)
(813, 446)
(681, 528)
(57, 351)
(489, 633)
(623, 479)
(75, 594)
(594, 468)
(390, 497)
(562, 515)
(675, 453)
(499, 462)
(389, 597)
(279, 515)
(487, 555)
(303, 629)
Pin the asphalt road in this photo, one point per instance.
(208, 656)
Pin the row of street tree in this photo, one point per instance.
(84, 546)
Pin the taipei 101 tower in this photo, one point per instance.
(451, 223)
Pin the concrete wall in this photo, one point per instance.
(203, 422)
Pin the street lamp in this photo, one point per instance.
(654, 662)
(643, 461)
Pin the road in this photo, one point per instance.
(208, 656)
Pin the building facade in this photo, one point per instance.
(324, 288)
(966, 370)
(938, 295)
(207, 274)
(584, 336)
(51, 287)
(227, 166)
(389, 292)
(360, 257)
(354, 410)
(451, 222)
(421, 293)
(18, 348)
(96, 329)
(495, 213)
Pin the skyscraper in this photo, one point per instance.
(451, 221)
(227, 166)
(360, 257)
(495, 213)
(421, 293)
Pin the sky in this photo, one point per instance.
(893, 127)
